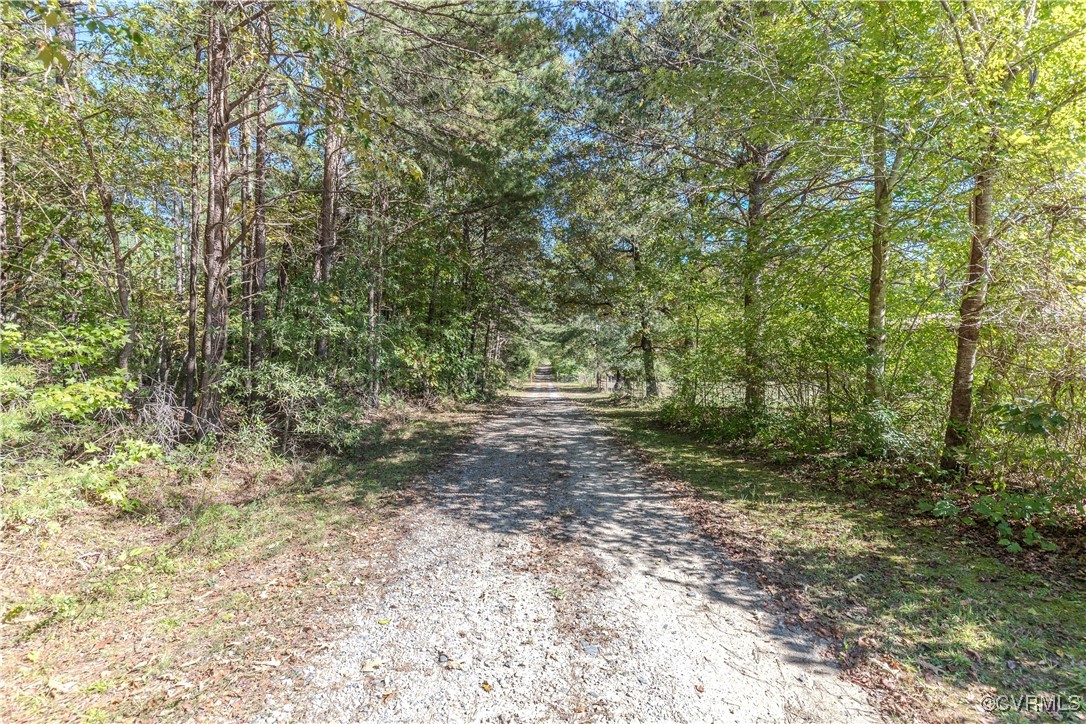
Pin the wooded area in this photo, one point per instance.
(267, 210)
(265, 264)
(851, 229)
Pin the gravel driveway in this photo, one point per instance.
(544, 579)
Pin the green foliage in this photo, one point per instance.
(1029, 417)
(76, 400)
(723, 204)
(699, 226)
(920, 594)
(16, 382)
(83, 345)
(104, 480)
(61, 379)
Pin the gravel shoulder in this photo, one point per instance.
(543, 578)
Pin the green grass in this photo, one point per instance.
(900, 585)
(157, 574)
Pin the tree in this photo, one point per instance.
(217, 244)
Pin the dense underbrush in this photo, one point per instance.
(1024, 480)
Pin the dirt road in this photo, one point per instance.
(544, 579)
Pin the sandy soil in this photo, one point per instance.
(543, 578)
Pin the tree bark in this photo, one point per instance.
(286, 254)
(179, 248)
(72, 266)
(880, 248)
(377, 299)
(753, 269)
(648, 353)
(974, 296)
(216, 242)
(326, 242)
(435, 279)
(648, 360)
(192, 281)
(246, 175)
(259, 230)
(3, 211)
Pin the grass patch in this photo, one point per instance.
(916, 610)
(213, 587)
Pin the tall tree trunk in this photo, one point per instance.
(3, 211)
(216, 238)
(72, 265)
(486, 353)
(648, 359)
(377, 298)
(326, 242)
(648, 353)
(880, 249)
(192, 282)
(974, 296)
(286, 255)
(15, 246)
(753, 269)
(259, 230)
(246, 174)
(431, 312)
(179, 248)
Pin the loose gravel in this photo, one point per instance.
(543, 578)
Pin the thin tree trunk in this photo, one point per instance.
(246, 172)
(282, 282)
(880, 249)
(376, 300)
(648, 359)
(648, 353)
(431, 312)
(486, 353)
(282, 279)
(192, 307)
(259, 230)
(326, 243)
(72, 265)
(974, 296)
(753, 269)
(179, 248)
(16, 243)
(216, 241)
(3, 212)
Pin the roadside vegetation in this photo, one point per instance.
(200, 579)
(261, 265)
(262, 262)
(931, 616)
(845, 231)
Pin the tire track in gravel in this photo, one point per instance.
(544, 579)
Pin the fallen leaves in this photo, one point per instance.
(487, 687)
